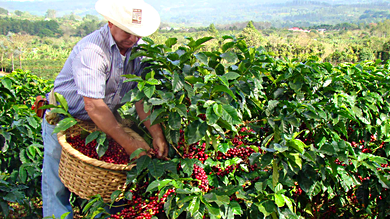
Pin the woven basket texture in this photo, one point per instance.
(87, 176)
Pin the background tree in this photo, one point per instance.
(252, 36)
(3, 11)
(18, 13)
(213, 30)
(51, 14)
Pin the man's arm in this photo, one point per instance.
(102, 116)
(159, 142)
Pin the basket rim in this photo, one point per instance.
(92, 161)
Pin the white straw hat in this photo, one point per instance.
(133, 16)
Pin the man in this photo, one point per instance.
(91, 81)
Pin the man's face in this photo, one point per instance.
(123, 39)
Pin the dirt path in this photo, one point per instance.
(3, 73)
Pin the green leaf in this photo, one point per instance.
(157, 101)
(306, 178)
(181, 109)
(202, 57)
(327, 149)
(267, 207)
(131, 77)
(254, 158)
(347, 181)
(275, 173)
(227, 46)
(136, 153)
(224, 80)
(15, 196)
(174, 136)
(64, 124)
(170, 42)
(297, 145)
(213, 211)
(156, 169)
(223, 147)
(194, 205)
(288, 202)
(61, 99)
(115, 195)
(32, 122)
(294, 160)
(94, 135)
(163, 183)
(64, 215)
(188, 166)
(221, 88)
(219, 199)
(131, 176)
(155, 114)
(174, 121)
(259, 186)
(59, 111)
(218, 109)
(102, 144)
(195, 131)
(22, 174)
(236, 208)
(230, 115)
(152, 81)
(232, 75)
(153, 185)
(230, 56)
(4, 208)
(279, 200)
(7, 83)
(142, 163)
(177, 82)
(202, 40)
(358, 112)
(212, 118)
(149, 90)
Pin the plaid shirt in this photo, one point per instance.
(94, 69)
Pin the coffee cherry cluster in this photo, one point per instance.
(115, 153)
(193, 151)
(141, 206)
(200, 175)
(223, 172)
(196, 152)
(241, 152)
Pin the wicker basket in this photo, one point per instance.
(87, 176)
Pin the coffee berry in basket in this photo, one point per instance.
(115, 153)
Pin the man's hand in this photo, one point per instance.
(134, 143)
(161, 146)
(102, 116)
(159, 142)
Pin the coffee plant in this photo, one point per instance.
(21, 142)
(252, 136)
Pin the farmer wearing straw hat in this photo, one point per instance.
(91, 81)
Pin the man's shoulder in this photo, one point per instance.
(98, 40)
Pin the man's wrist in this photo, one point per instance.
(156, 131)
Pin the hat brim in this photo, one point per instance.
(119, 12)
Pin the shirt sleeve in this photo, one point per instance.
(89, 71)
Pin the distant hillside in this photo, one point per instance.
(281, 13)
